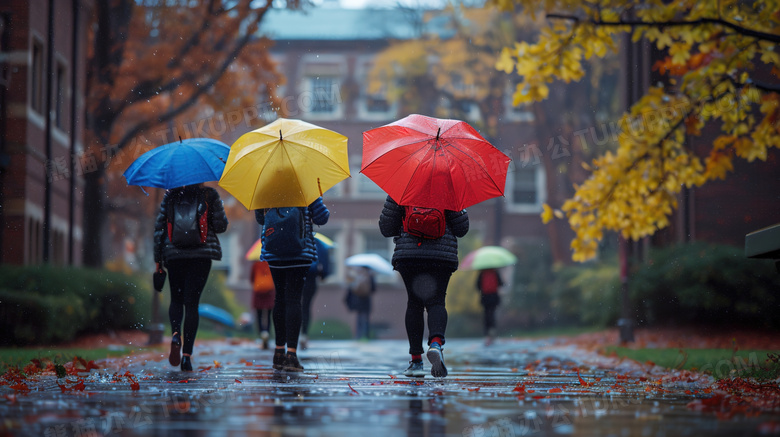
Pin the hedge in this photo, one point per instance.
(45, 305)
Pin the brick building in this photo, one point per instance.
(43, 61)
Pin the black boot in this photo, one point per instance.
(186, 364)
(291, 363)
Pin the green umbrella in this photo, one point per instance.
(488, 257)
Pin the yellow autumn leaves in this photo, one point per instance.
(711, 51)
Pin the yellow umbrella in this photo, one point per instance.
(285, 163)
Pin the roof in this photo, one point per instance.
(340, 24)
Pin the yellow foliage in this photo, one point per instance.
(634, 190)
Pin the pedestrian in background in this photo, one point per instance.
(185, 242)
(362, 285)
(319, 269)
(426, 260)
(263, 295)
(289, 248)
(488, 283)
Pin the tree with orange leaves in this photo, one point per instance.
(153, 63)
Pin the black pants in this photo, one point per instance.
(426, 289)
(287, 304)
(309, 288)
(186, 278)
(490, 302)
(260, 325)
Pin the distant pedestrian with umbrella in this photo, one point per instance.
(185, 232)
(431, 169)
(487, 260)
(362, 285)
(319, 270)
(488, 283)
(281, 170)
(263, 296)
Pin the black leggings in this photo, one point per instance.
(489, 303)
(186, 278)
(426, 289)
(267, 326)
(287, 304)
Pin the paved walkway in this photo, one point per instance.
(513, 388)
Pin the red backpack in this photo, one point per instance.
(424, 222)
(488, 282)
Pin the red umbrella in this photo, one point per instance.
(435, 163)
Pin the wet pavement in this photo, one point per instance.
(513, 388)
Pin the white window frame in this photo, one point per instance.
(305, 99)
(541, 190)
(364, 65)
(356, 179)
(513, 113)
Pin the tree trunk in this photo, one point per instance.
(94, 217)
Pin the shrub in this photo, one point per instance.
(708, 284)
(45, 304)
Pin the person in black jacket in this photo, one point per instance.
(425, 266)
(188, 268)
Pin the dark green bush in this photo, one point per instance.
(44, 304)
(701, 283)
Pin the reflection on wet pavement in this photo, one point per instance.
(512, 388)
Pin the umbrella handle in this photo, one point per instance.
(319, 186)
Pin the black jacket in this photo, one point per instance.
(442, 252)
(165, 251)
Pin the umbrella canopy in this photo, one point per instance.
(285, 163)
(372, 261)
(488, 257)
(216, 315)
(434, 163)
(253, 254)
(185, 162)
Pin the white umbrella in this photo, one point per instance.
(372, 261)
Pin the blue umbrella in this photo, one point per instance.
(185, 162)
(216, 314)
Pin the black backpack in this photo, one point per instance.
(188, 219)
(285, 231)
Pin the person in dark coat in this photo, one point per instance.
(488, 283)
(362, 285)
(319, 269)
(425, 266)
(188, 268)
(263, 295)
(289, 272)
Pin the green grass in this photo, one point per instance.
(720, 363)
(564, 331)
(20, 357)
(329, 329)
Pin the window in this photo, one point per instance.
(526, 188)
(521, 112)
(59, 105)
(323, 91)
(362, 186)
(36, 78)
(374, 103)
(376, 243)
